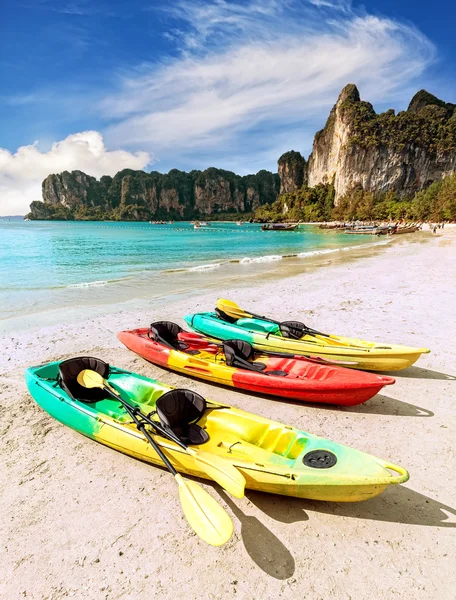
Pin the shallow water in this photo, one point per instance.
(54, 265)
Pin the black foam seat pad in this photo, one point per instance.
(179, 410)
(292, 329)
(239, 353)
(167, 332)
(68, 377)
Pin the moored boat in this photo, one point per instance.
(332, 226)
(405, 229)
(272, 457)
(280, 226)
(235, 364)
(362, 230)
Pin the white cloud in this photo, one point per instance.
(21, 173)
(343, 5)
(263, 63)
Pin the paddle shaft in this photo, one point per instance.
(261, 351)
(161, 430)
(304, 330)
(279, 355)
(142, 427)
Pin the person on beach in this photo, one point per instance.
(434, 229)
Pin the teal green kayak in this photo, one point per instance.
(266, 336)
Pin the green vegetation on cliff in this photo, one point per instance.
(428, 123)
(136, 195)
(306, 204)
(436, 203)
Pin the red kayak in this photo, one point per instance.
(234, 363)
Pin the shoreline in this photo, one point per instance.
(322, 267)
(80, 520)
(84, 300)
(233, 253)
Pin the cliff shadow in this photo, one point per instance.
(397, 504)
(263, 547)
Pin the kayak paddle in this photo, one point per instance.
(234, 311)
(218, 469)
(231, 309)
(204, 515)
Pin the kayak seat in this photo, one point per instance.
(68, 374)
(167, 332)
(292, 329)
(238, 354)
(179, 410)
(224, 317)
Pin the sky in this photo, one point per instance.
(102, 85)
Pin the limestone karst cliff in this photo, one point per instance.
(403, 153)
(139, 195)
(292, 169)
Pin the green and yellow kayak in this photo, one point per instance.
(271, 336)
(272, 457)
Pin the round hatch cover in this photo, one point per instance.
(320, 459)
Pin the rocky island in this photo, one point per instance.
(363, 165)
(136, 195)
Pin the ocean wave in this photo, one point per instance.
(259, 259)
(195, 269)
(250, 260)
(318, 252)
(209, 267)
(344, 249)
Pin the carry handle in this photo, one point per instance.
(403, 473)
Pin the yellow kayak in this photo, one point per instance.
(271, 456)
(266, 335)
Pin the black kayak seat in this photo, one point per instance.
(68, 378)
(167, 332)
(179, 410)
(239, 353)
(292, 329)
(224, 317)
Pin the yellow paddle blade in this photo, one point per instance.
(205, 516)
(91, 379)
(232, 309)
(221, 471)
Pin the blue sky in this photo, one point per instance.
(195, 83)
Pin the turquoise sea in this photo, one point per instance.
(54, 265)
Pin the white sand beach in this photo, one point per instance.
(79, 520)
